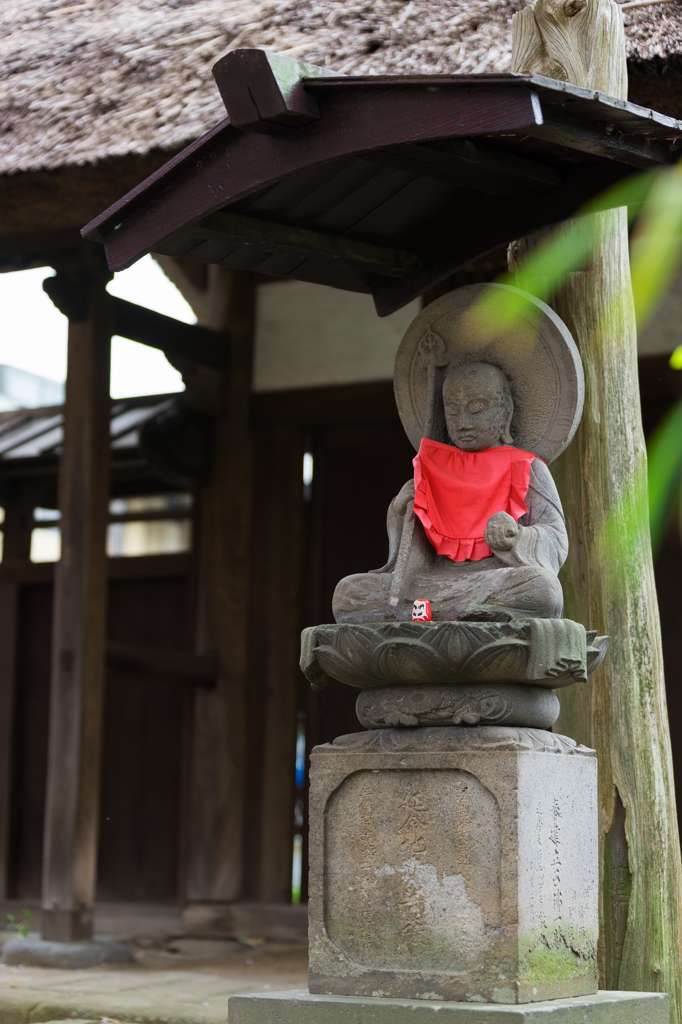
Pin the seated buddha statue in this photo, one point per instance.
(479, 531)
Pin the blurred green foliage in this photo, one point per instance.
(21, 926)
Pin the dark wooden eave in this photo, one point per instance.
(395, 183)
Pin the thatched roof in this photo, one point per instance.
(93, 79)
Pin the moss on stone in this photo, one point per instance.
(557, 953)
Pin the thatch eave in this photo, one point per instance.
(85, 82)
(43, 211)
(94, 96)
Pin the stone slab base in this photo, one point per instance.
(304, 1008)
(32, 952)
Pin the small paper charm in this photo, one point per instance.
(421, 611)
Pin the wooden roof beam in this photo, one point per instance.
(602, 140)
(244, 162)
(290, 240)
(472, 165)
(201, 669)
(264, 92)
(462, 236)
(173, 337)
(521, 143)
(146, 326)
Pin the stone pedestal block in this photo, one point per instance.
(304, 1008)
(454, 864)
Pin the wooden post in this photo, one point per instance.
(276, 605)
(215, 853)
(610, 587)
(16, 546)
(79, 621)
(8, 632)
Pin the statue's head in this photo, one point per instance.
(478, 406)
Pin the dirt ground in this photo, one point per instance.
(172, 981)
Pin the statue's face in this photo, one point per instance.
(477, 406)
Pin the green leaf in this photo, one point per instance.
(657, 242)
(665, 469)
(676, 359)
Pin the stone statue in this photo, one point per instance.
(454, 844)
(478, 532)
(516, 577)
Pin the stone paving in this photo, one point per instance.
(176, 985)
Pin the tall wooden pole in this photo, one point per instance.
(608, 580)
(79, 621)
(215, 854)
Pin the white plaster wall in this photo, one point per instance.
(309, 336)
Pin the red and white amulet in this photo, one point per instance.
(421, 611)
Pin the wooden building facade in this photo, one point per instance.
(179, 768)
(175, 827)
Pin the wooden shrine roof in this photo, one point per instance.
(388, 183)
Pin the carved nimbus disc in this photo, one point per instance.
(537, 353)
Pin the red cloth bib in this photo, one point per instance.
(456, 493)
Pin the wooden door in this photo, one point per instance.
(145, 718)
(34, 648)
(145, 724)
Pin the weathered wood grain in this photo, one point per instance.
(79, 621)
(608, 579)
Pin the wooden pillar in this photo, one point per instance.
(79, 622)
(276, 606)
(608, 579)
(216, 803)
(8, 633)
(16, 545)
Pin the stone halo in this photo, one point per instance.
(538, 355)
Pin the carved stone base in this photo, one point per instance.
(453, 868)
(542, 652)
(456, 739)
(498, 703)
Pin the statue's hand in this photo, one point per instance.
(501, 532)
